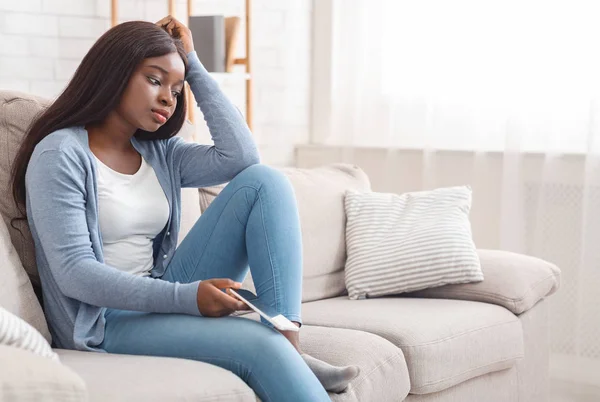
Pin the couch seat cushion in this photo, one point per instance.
(111, 377)
(445, 342)
(26, 376)
(383, 372)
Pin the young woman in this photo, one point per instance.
(100, 173)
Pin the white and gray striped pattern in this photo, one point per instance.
(16, 332)
(403, 243)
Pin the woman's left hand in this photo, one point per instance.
(178, 31)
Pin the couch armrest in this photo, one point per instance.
(514, 281)
(25, 376)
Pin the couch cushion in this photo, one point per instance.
(514, 281)
(16, 292)
(445, 342)
(403, 243)
(383, 371)
(25, 376)
(111, 377)
(17, 110)
(499, 386)
(320, 194)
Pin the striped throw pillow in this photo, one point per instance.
(18, 333)
(402, 243)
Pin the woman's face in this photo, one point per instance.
(152, 92)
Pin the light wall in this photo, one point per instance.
(43, 42)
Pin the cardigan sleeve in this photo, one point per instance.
(234, 148)
(55, 184)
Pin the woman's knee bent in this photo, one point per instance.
(260, 176)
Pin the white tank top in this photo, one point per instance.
(132, 210)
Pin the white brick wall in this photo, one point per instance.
(43, 41)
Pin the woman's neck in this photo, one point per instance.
(113, 133)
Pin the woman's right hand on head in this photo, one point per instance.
(213, 302)
(178, 30)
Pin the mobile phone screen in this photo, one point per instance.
(246, 294)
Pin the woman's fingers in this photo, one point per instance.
(243, 306)
(224, 283)
(179, 31)
(166, 24)
(169, 22)
(229, 302)
(164, 20)
(213, 302)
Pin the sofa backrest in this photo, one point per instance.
(320, 194)
(17, 111)
(16, 292)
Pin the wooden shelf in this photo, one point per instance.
(229, 77)
(219, 77)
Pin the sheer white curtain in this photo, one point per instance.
(501, 95)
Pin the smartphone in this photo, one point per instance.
(265, 311)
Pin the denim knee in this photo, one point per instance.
(260, 176)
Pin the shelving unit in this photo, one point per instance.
(246, 61)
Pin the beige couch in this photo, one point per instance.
(475, 342)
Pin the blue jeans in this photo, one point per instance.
(253, 221)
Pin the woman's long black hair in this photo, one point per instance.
(96, 89)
